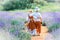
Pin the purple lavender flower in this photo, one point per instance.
(2, 24)
(51, 17)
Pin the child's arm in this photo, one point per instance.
(26, 23)
(41, 20)
(40, 17)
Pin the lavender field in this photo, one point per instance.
(52, 21)
(12, 23)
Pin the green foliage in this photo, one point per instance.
(32, 1)
(50, 0)
(16, 4)
(1, 7)
(19, 5)
(15, 27)
(41, 2)
(18, 24)
(18, 29)
(51, 7)
(20, 34)
(54, 27)
(24, 36)
(14, 22)
(33, 5)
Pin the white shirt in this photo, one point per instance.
(30, 14)
(36, 16)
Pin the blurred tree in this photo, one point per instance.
(52, 0)
(40, 2)
(32, 1)
(17, 4)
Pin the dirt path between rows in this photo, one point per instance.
(43, 34)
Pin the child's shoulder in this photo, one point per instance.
(30, 14)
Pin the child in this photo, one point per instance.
(30, 24)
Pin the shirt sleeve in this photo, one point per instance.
(26, 18)
(40, 15)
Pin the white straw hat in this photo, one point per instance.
(37, 9)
